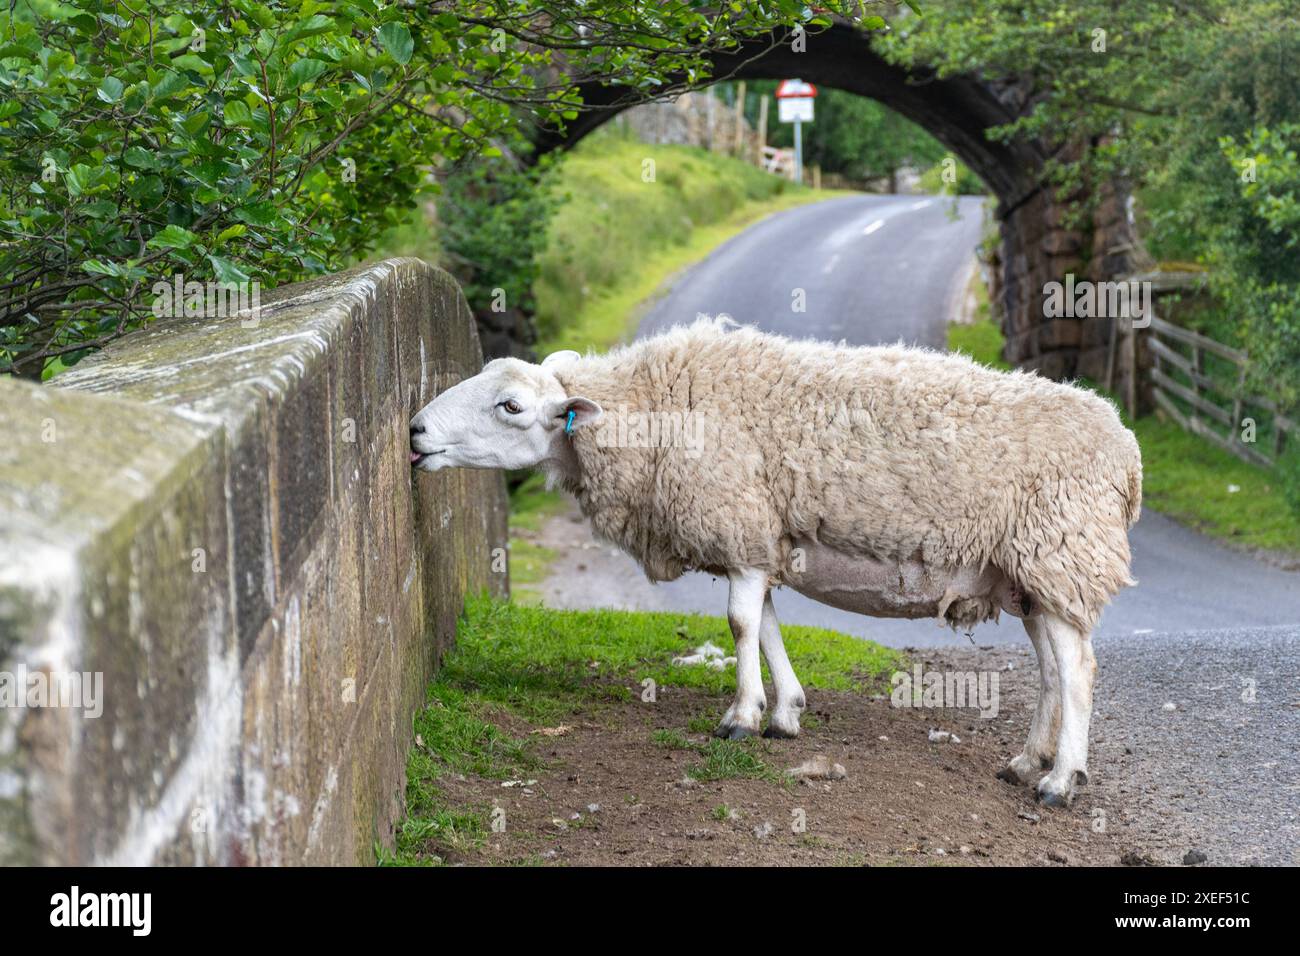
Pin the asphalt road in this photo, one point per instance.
(1212, 631)
(870, 269)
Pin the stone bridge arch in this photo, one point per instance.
(1036, 247)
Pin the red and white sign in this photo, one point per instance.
(794, 101)
(795, 89)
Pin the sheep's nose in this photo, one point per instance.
(417, 430)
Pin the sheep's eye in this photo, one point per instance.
(512, 407)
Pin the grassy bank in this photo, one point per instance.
(1184, 477)
(518, 674)
(618, 237)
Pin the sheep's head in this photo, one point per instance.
(510, 415)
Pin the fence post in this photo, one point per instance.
(739, 145)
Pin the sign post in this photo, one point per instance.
(794, 101)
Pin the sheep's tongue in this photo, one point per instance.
(415, 456)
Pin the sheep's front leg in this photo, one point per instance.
(745, 615)
(1076, 667)
(789, 694)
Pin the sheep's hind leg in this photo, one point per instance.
(1040, 747)
(1076, 668)
(745, 614)
(789, 694)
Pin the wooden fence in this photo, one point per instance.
(1201, 384)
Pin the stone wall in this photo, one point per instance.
(695, 119)
(1039, 246)
(218, 519)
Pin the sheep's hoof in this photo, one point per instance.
(773, 732)
(734, 732)
(1057, 799)
(1020, 771)
(1011, 777)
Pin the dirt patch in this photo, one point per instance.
(613, 791)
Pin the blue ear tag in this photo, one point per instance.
(568, 426)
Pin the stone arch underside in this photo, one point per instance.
(1036, 245)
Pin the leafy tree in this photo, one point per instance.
(1194, 103)
(244, 141)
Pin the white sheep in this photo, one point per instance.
(892, 481)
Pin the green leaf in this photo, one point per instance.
(173, 237)
(169, 84)
(304, 71)
(110, 89)
(396, 40)
(245, 66)
(99, 210)
(227, 271)
(310, 27)
(97, 268)
(9, 50)
(192, 61)
(237, 113)
(78, 179)
(257, 214)
(140, 158)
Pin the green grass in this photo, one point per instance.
(723, 759)
(1183, 476)
(1188, 479)
(528, 667)
(734, 760)
(530, 505)
(618, 238)
(981, 340)
(539, 663)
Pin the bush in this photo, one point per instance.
(492, 223)
(191, 139)
(247, 142)
(951, 177)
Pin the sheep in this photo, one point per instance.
(892, 481)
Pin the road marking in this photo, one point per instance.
(873, 227)
(831, 264)
(920, 205)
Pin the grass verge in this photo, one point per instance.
(517, 670)
(530, 505)
(618, 237)
(1184, 476)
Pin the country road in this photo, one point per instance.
(1214, 632)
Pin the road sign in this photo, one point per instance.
(794, 104)
(795, 89)
(795, 111)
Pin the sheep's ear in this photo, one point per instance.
(584, 410)
(555, 358)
